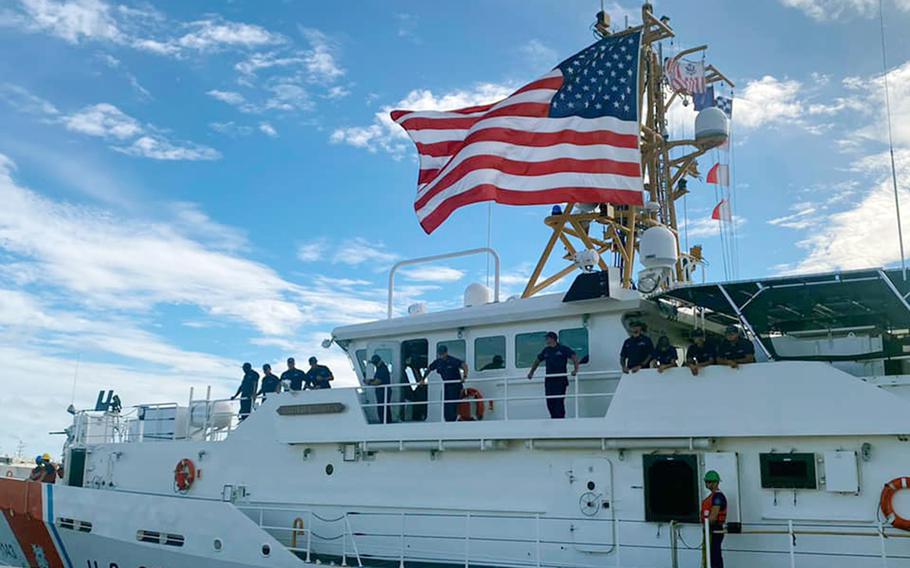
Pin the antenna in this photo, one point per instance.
(897, 201)
(75, 378)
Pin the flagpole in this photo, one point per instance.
(897, 201)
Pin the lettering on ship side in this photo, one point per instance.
(96, 564)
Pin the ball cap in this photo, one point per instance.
(375, 359)
(712, 476)
(731, 329)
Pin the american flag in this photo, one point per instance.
(571, 136)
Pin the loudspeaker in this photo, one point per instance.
(588, 286)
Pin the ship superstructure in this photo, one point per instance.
(807, 440)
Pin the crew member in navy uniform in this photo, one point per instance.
(699, 354)
(270, 382)
(734, 350)
(318, 376)
(665, 355)
(636, 350)
(247, 390)
(714, 509)
(450, 371)
(293, 376)
(381, 379)
(556, 382)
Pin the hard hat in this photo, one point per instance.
(712, 476)
(46, 457)
(39, 459)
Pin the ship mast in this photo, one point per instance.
(613, 231)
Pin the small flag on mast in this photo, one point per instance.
(686, 76)
(719, 174)
(725, 104)
(721, 211)
(704, 100)
(570, 136)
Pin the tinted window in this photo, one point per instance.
(788, 471)
(386, 355)
(456, 348)
(671, 488)
(490, 353)
(577, 339)
(527, 346)
(361, 356)
(414, 359)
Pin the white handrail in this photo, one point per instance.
(469, 252)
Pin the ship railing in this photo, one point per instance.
(503, 405)
(146, 422)
(536, 539)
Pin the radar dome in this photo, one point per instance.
(417, 308)
(657, 248)
(476, 295)
(711, 125)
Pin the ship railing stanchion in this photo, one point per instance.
(881, 537)
(537, 538)
(309, 535)
(791, 536)
(618, 543)
(401, 552)
(674, 546)
(505, 396)
(344, 545)
(708, 540)
(467, 539)
(347, 524)
(575, 381)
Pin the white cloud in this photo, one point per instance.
(768, 101)
(540, 54)
(231, 128)
(104, 120)
(259, 61)
(385, 134)
(72, 20)
(158, 148)
(25, 102)
(312, 251)
(268, 129)
(214, 34)
(443, 274)
(708, 227)
(337, 92)
(827, 10)
(359, 251)
(321, 59)
(804, 216)
(229, 97)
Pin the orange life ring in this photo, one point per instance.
(184, 475)
(887, 505)
(464, 407)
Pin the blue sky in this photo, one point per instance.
(186, 186)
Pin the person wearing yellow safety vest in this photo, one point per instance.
(714, 509)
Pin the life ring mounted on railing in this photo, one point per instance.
(887, 503)
(9, 473)
(464, 407)
(184, 475)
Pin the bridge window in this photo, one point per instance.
(788, 471)
(490, 353)
(577, 340)
(527, 346)
(361, 356)
(414, 353)
(456, 348)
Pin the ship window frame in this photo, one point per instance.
(659, 485)
(503, 352)
(583, 353)
(771, 480)
(519, 363)
(422, 343)
(454, 352)
(361, 356)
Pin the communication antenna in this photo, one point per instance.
(75, 378)
(897, 201)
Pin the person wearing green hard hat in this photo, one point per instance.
(714, 509)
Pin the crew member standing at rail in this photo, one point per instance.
(699, 354)
(293, 376)
(270, 382)
(734, 350)
(450, 370)
(381, 380)
(247, 390)
(556, 382)
(318, 376)
(636, 350)
(665, 355)
(714, 509)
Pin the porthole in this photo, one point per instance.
(329, 469)
(266, 550)
(217, 545)
(591, 486)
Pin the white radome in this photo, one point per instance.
(476, 295)
(657, 248)
(711, 123)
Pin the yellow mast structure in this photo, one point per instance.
(664, 176)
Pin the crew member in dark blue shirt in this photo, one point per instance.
(247, 390)
(294, 376)
(699, 354)
(270, 383)
(665, 355)
(450, 371)
(318, 376)
(636, 350)
(381, 380)
(734, 350)
(556, 382)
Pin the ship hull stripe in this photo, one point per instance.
(53, 527)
